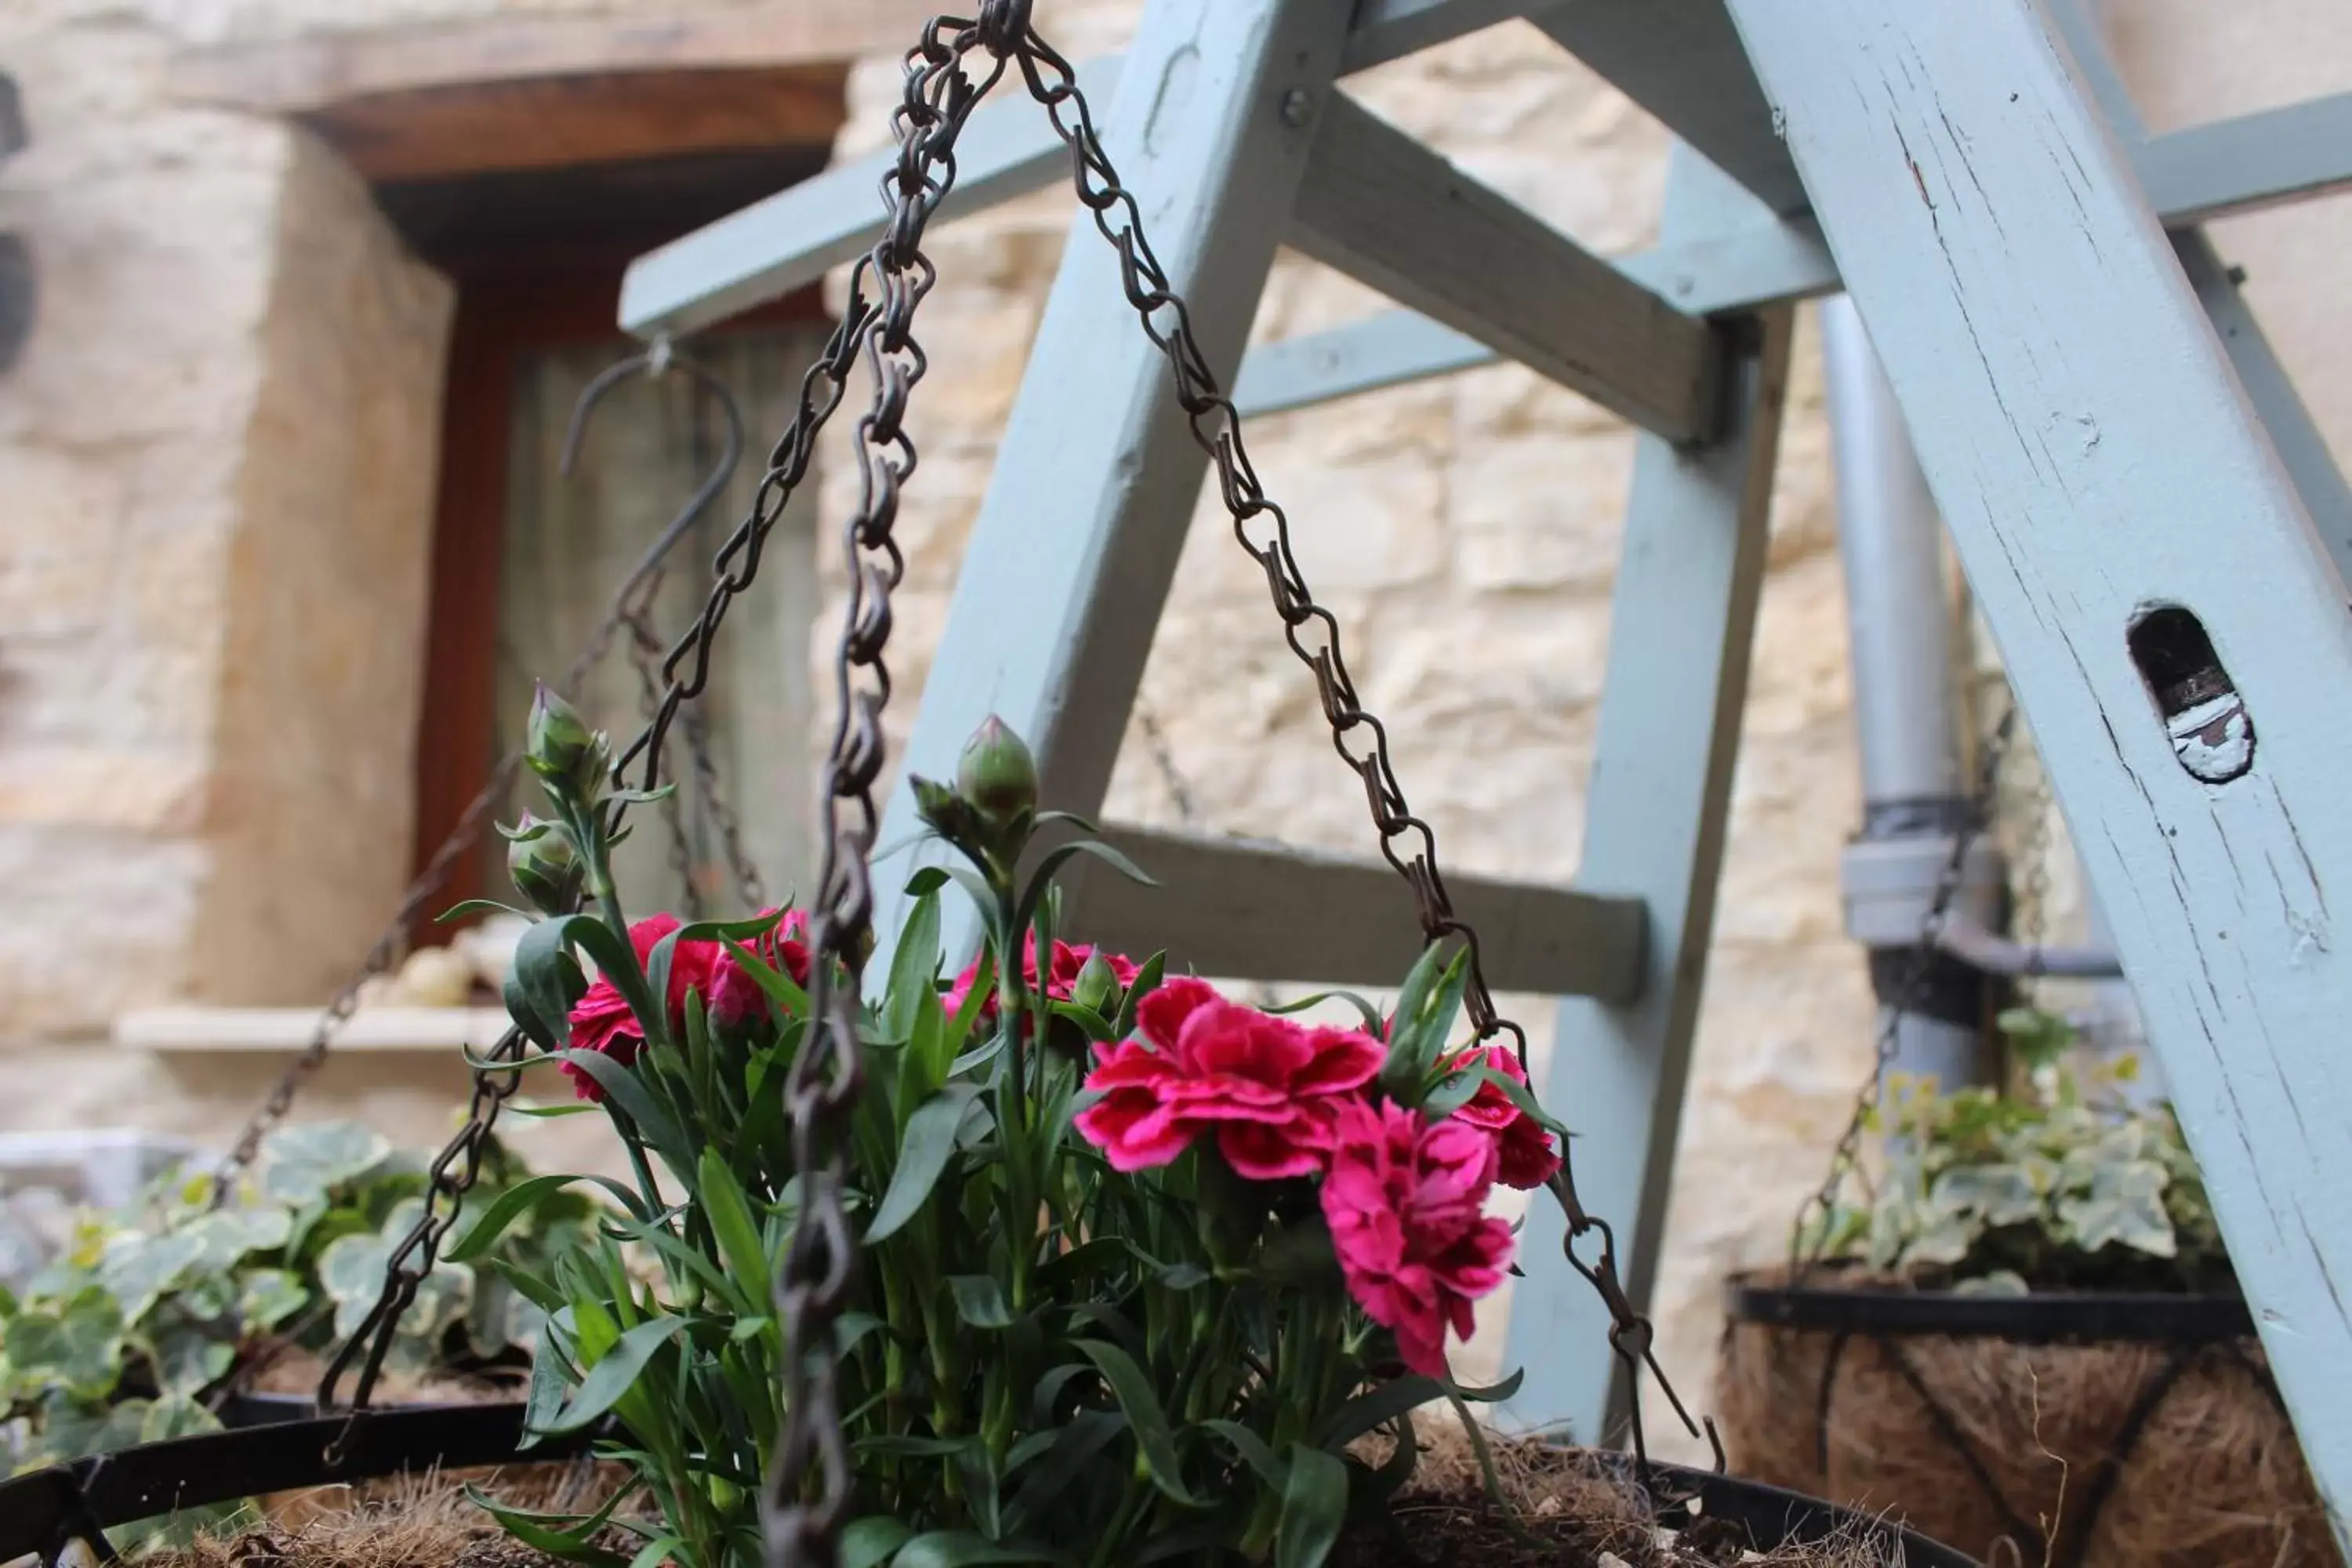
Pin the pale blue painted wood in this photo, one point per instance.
(1391, 213)
(2293, 431)
(794, 237)
(1246, 908)
(1069, 563)
(1681, 60)
(1387, 30)
(2094, 454)
(1682, 620)
(2293, 152)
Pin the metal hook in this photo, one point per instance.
(658, 360)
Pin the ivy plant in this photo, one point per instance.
(140, 1329)
(2058, 1183)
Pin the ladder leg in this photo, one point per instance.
(2170, 621)
(1069, 564)
(1681, 624)
(2292, 430)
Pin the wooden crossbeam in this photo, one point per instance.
(794, 237)
(2303, 150)
(1387, 30)
(1241, 908)
(1385, 209)
(1681, 60)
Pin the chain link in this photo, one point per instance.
(1262, 528)
(1919, 970)
(808, 1490)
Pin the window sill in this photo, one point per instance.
(214, 1031)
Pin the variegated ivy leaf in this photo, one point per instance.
(269, 1297)
(1942, 1242)
(77, 1348)
(188, 1361)
(140, 1271)
(351, 1272)
(2124, 1203)
(1994, 1194)
(305, 1162)
(2000, 1283)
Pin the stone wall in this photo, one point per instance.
(225, 420)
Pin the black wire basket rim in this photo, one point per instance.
(39, 1510)
(2039, 1316)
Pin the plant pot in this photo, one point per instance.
(2146, 1428)
(41, 1511)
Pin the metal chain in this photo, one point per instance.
(1846, 1158)
(1406, 841)
(645, 651)
(808, 1492)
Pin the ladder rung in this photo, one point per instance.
(1682, 61)
(1391, 213)
(1239, 908)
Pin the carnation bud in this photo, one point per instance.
(1097, 986)
(996, 772)
(557, 740)
(545, 865)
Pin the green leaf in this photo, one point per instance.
(980, 1301)
(960, 1549)
(474, 1239)
(869, 1542)
(1134, 1394)
(779, 988)
(549, 979)
(614, 1375)
(299, 1163)
(1313, 1507)
(267, 1297)
(914, 967)
(458, 911)
(1147, 980)
(1253, 1451)
(570, 1545)
(623, 1088)
(923, 1154)
(728, 1211)
(1071, 1450)
(1378, 1407)
(1364, 1010)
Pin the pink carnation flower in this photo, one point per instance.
(1528, 1156)
(1406, 1201)
(1068, 958)
(1270, 1088)
(783, 947)
(601, 1020)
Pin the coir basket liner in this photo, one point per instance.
(2081, 1430)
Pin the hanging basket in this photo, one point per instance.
(46, 1513)
(2083, 1430)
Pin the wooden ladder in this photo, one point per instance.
(2126, 472)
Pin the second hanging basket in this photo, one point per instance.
(2083, 1430)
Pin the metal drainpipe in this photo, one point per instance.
(1906, 714)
